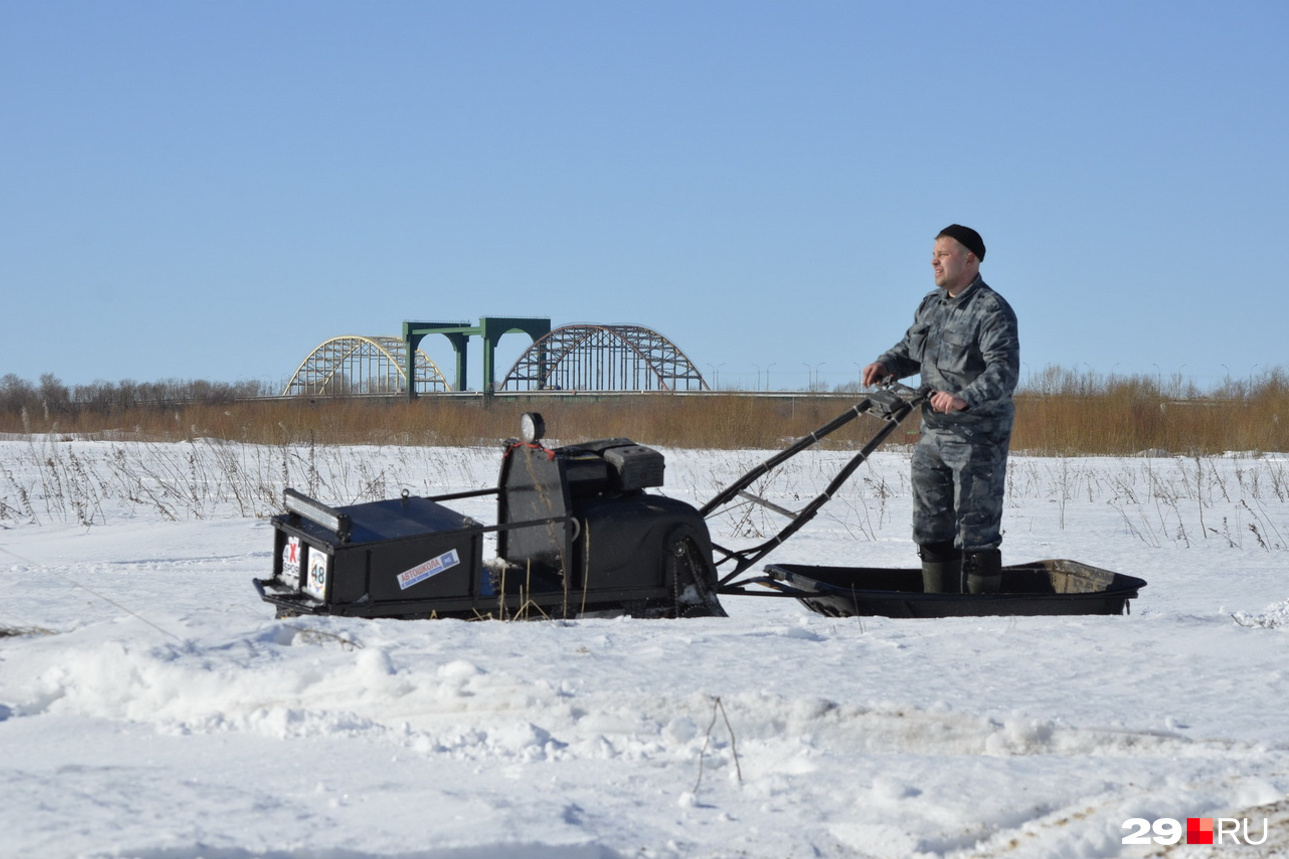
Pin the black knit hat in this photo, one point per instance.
(967, 237)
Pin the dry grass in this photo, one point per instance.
(202, 461)
(725, 421)
(1059, 413)
(1067, 414)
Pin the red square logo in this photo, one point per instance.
(1199, 830)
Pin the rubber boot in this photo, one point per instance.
(941, 568)
(984, 571)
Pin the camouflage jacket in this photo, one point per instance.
(968, 346)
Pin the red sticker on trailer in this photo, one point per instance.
(291, 559)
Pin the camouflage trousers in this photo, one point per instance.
(958, 482)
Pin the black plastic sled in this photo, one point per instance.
(1052, 587)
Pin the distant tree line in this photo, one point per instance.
(50, 398)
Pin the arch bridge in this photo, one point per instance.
(582, 357)
(354, 365)
(603, 358)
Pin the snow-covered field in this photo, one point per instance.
(152, 707)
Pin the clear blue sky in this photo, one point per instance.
(207, 190)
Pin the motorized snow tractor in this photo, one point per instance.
(578, 535)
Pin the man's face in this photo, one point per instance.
(953, 265)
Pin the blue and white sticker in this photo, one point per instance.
(432, 567)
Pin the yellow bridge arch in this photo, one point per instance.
(356, 365)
